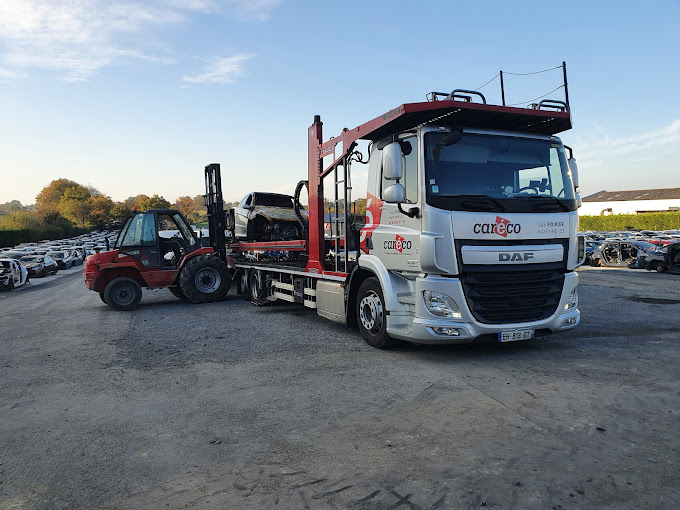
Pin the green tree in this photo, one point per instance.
(21, 220)
(158, 202)
(76, 206)
(9, 207)
(101, 209)
(49, 198)
(120, 211)
(187, 207)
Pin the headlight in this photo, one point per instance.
(441, 304)
(572, 300)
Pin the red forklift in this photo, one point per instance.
(156, 249)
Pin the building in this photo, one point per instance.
(631, 202)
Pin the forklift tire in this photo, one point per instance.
(177, 292)
(205, 279)
(371, 315)
(123, 294)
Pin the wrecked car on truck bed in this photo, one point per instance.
(267, 217)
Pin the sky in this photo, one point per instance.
(137, 96)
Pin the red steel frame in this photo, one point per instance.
(405, 117)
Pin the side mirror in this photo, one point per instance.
(394, 194)
(574, 171)
(392, 162)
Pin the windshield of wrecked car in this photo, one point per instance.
(490, 172)
(31, 259)
(273, 200)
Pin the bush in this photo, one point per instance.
(642, 221)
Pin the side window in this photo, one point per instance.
(410, 180)
(141, 231)
(248, 200)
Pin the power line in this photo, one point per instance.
(537, 98)
(535, 72)
(492, 79)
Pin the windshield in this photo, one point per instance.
(31, 259)
(272, 200)
(489, 172)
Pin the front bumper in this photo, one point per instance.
(425, 324)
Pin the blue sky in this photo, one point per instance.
(138, 96)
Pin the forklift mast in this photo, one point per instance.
(214, 202)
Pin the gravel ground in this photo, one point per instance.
(228, 405)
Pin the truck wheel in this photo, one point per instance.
(371, 315)
(123, 294)
(177, 292)
(204, 279)
(257, 287)
(243, 283)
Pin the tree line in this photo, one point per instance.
(65, 208)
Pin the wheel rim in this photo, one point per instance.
(207, 280)
(371, 312)
(256, 290)
(244, 281)
(124, 294)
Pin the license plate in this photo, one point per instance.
(515, 335)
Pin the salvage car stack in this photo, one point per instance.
(37, 260)
(635, 249)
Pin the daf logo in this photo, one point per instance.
(515, 257)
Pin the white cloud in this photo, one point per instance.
(77, 38)
(221, 70)
(663, 136)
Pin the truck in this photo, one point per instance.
(470, 231)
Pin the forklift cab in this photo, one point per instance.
(158, 238)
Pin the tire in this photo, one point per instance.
(244, 284)
(101, 296)
(371, 315)
(204, 279)
(177, 292)
(660, 267)
(123, 294)
(257, 287)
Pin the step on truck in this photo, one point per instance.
(470, 229)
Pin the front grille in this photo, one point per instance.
(512, 296)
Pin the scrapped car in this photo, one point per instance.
(664, 258)
(39, 265)
(620, 253)
(267, 217)
(12, 274)
(63, 258)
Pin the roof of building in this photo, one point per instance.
(630, 195)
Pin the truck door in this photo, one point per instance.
(396, 239)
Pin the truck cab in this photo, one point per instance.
(472, 233)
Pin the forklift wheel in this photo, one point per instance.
(204, 279)
(123, 294)
(177, 292)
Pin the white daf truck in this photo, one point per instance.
(470, 231)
